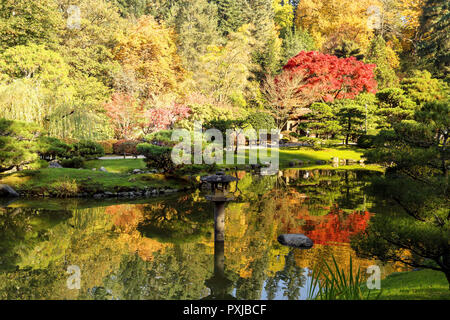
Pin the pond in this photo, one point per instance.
(163, 248)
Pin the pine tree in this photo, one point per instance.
(232, 14)
(296, 40)
(435, 35)
(378, 55)
(129, 8)
(348, 49)
(196, 24)
(268, 46)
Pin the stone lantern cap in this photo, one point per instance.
(218, 178)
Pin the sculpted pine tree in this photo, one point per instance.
(412, 222)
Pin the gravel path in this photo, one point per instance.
(119, 157)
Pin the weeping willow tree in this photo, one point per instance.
(61, 116)
(37, 85)
(76, 122)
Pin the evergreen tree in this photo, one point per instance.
(348, 49)
(232, 14)
(378, 55)
(421, 87)
(322, 121)
(351, 119)
(435, 35)
(196, 25)
(394, 107)
(413, 218)
(296, 40)
(131, 8)
(268, 45)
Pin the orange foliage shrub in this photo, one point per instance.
(108, 145)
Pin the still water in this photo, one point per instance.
(163, 248)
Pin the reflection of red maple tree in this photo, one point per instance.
(335, 227)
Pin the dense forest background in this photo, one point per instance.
(102, 69)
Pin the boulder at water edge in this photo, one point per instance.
(7, 191)
(296, 240)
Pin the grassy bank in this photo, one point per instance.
(415, 285)
(70, 182)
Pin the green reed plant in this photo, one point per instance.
(332, 283)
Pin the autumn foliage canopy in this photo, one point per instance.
(337, 78)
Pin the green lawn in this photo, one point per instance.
(69, 182)
(116, 166)
(305, 154)
(309, 154)
(415, 285)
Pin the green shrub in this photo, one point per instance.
(65, 188)
(88, 149)
(315, 143)
(53, 148)
(366, 141)
(160, 138)
(75, 162)
(261, 121)
(40, 164)
(126, 147)
(158, 157)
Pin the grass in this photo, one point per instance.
(415, 285)
(306, 154)
(116, 166)
(326, 154)
(333, 283)
(69, 182)
(329, 282)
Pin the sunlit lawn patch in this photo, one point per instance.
(116, 165)
(56, 181)
(415, 285)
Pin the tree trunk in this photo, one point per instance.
(447, 275)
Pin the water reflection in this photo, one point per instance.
(165, 248)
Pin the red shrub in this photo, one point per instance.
(126, 147)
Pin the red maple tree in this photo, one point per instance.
(124, 112)
(337, 78)
(163, 118)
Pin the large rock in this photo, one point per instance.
(296, 240)
(7, 191)
(54, 164)
(103, 169)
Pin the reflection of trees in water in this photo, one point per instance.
(181, 219)
(179, 272)
(292, 276)
(327, 188)
(172, 240)
(23, 228)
